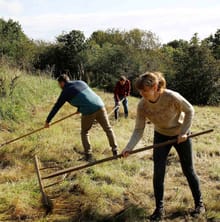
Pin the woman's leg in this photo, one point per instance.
(186, 159)
(160, 157)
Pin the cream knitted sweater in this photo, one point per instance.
(171, 115)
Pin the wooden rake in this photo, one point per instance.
(46, 201)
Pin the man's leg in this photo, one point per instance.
(125, 105)
(86, 124)
(116, 109)
(186, 159)
(102, 119)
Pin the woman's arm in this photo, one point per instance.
(184, 106)
(138, 130)
(188, 109)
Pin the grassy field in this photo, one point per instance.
(120, 190)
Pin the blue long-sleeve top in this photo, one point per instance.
(78, 94)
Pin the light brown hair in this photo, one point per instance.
(150, 79)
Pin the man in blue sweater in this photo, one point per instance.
(90, 105)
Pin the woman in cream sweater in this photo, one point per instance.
(172, 117)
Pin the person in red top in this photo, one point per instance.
(121, 92)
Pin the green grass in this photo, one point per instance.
(120, 190)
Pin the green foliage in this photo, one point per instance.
(140, 39)
(112, 36)
(190, 67)
(14, 44)
(64, 55)
(71, 45)
(102, 58)
(213, 42)
(19, 93)
(46, 57)
(196, 72)
(112, 53)
(120, 190)
(105, 64)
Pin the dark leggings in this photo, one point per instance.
(184, 151)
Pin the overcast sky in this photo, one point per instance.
(169, 19)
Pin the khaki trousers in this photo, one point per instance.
(86, 124)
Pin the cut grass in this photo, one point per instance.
(120, 190)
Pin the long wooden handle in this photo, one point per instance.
(116, 107)
(37, 167)
(35, 131)
(173, 141)
(72, 169)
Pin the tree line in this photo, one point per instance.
(190, 67)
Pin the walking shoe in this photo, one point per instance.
(199, 210)
(114, 152)
(88, 157)
(157, 215)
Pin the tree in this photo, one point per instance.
(197, 73)
(112, 36)
(70, 46)
(104, 64)
(14, 44)
(141, 39)
(113, 52)
(177, 44)
(213, 43)
(64, 56)
(46, 57)
(192, 68)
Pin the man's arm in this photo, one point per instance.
(60, 101)
(128, 88)
(116, 92)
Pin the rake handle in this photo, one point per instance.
(173, 141)
(116, 107)
(35, 131)
(72, 169)
(42, 128)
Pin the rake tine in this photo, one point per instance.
(50, 167)
(53, 184)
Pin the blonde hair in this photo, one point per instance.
(150, 79)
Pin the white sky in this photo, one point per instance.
(46, 19)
